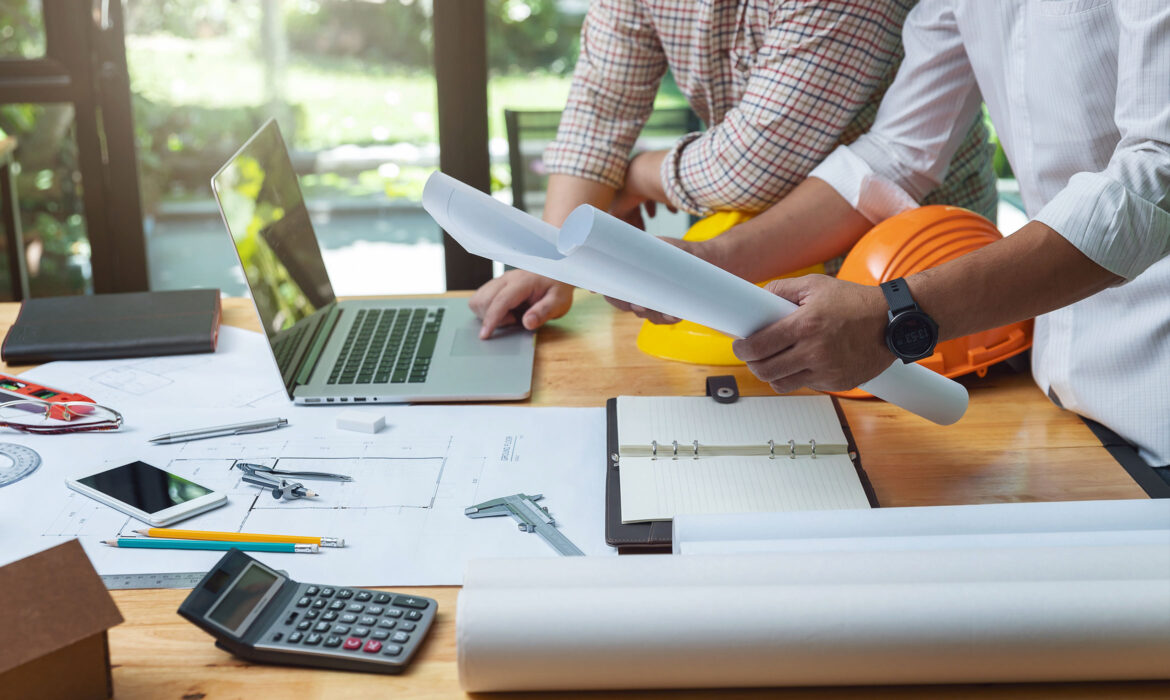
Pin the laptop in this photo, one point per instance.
(354, 351)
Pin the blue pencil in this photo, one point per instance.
(156, 543)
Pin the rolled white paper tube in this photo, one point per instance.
(1101, 538)
(599, 252)
(845, 634)
(955, 564)
(680, 284)
(671, 281)
(1135, 521)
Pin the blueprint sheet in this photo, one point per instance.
(245, 375)
(402, 516)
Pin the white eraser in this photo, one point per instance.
(361, 421)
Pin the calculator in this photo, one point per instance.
(260, 614)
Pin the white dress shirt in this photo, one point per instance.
(1079, 92)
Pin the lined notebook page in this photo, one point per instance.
(659, 489)
(751, 421)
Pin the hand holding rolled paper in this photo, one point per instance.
(830, 343)
(603, 254)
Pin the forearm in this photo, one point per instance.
(812, 224)
(644, 179)
(1031, 272)
(567, 192)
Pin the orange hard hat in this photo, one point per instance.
(920, 239)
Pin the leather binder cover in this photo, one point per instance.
(107, 326)
(655, 537)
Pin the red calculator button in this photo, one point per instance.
(352, 643)
(373, 646)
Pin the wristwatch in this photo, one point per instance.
(910, 334)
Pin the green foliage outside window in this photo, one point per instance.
(525, 35)
(48, 182)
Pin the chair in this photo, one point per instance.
(529, 131)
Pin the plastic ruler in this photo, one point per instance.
(119, 582)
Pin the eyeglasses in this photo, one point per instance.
(52, 418)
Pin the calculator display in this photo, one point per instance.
(235, 608)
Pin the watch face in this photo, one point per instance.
(912, 334)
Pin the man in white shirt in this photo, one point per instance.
(1079, 91)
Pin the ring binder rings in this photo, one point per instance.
(732, 465)
(811, 448)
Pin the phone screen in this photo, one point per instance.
(145, 487)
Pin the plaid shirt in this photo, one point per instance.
(780, 83)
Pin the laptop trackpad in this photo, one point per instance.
(502, 342)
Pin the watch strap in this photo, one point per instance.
(898, 296)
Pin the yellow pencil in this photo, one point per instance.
(239, 537)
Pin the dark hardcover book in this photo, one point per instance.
(107, 326)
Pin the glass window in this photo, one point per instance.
(352, 85)
(49, 192)
(532, 48)
(22, 29)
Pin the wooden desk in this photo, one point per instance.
(1013, 445)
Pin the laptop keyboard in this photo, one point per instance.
(392, 346)
(287, 344)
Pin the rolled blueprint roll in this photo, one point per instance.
(1145, 521)
(667, 636)
(601, 253)
(957, 564)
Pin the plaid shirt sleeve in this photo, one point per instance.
(612, 94)
(817, 67)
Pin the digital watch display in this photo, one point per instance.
(910, 333)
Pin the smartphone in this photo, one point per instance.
(148, 493)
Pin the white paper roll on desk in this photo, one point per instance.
(998, 525)
(514, 639)
(908, 566)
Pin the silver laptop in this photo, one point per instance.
(358, 351)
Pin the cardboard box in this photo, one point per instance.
(53, 641)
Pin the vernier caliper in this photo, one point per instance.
(529, 518)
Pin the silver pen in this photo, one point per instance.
(256, 426)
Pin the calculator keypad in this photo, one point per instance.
(382, 628)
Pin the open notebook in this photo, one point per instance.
(690, 454)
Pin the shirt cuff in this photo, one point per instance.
(672, 182)
(594, 164)
(1112, 226)
(873, 196)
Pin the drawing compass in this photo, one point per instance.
(273, 471)
(529, 518)
(258, 475)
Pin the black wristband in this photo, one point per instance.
(898, 296)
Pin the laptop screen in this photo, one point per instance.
(266, 215)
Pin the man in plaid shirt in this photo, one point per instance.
(781, 83)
